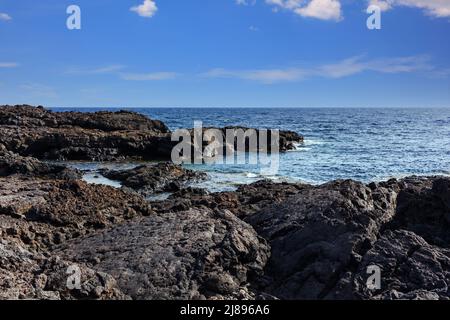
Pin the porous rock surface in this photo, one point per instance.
(28, 275)
(264, 240)
(101, 136)
(160, 177)
(254, 140)
(323, 239)
(14, 164)
(193, 254)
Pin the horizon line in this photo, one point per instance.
(247, 107)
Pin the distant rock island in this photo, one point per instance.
(265, 240)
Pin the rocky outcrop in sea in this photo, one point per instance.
(263, 241)
(99, 136)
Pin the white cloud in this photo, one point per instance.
(382, 4)
(332, 9)
(263, 75)
(154, 76)
(435, 8)
(319, 9)
(286, 4)
(245, 2)
(357, 65)
(147, 9)
(107, 69)
(5, 17)
(8, 65)
(100, 70)
(340, 69)
(118, 70)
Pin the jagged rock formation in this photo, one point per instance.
(12, 163)
(28, 116)
(286, 241)
(246, 200)
(324, 238)
(319, 240)
(253, 140)
(411, 269)
(319, 235)
(101, 136)
(193, 254)
(160, 177)
(28, 275)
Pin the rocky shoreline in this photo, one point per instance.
(262, 241)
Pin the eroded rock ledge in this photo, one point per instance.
(290, 242)
(324, 238)
(100, 136)
(281, 241)
(194, 254)
(155, 178)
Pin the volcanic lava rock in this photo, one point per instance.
(14, 164)
(324, 239)
(27, 275)
(295, 241)
(424, 208)
(286, 142)
(411, 269)
(246, 200)
(40, 213)
(99, 136)
(28, 116)
(195, 254)
(287, 139)
(160, 177)
(319, 236)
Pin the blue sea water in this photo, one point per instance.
(361, 144)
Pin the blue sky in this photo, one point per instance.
(223, 53)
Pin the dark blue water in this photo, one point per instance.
(361, 144)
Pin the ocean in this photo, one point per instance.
(361, 144)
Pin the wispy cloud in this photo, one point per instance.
(340, 69)
(39, 90)
(344, 68)
(147, 9)
(153, 76)
(119, 71)
(5, 17)
(98, 70)
(357, 65)
(245, 2)
(8, 65)
(435, 8)
(262, 75)
(441, 73)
